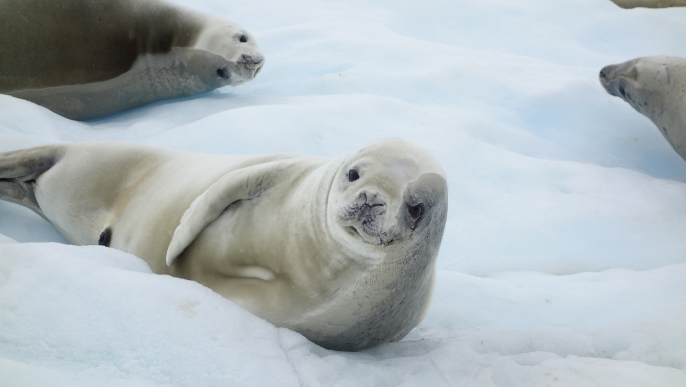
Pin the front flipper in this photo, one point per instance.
(243, 184)
(181, 72)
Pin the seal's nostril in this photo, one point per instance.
(415, 211)
(602, 74)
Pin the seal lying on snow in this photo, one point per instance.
(342, 250)
(650, 3)
(88, 58)
(656, 87)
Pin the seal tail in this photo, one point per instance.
(20, 169)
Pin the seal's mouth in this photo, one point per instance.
(373, 239)
(353, 230)
(247, 67)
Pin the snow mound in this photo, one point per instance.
(86, 315)
(563, 257)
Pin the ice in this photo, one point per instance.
(563, 261)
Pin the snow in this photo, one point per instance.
(563, 259)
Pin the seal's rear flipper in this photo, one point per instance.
(20, 169)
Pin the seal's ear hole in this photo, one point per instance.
(243, 39)
(353, 175)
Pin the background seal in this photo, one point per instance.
(89, 58)
(656, 87)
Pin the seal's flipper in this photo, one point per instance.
(243, 184)
(20, 169)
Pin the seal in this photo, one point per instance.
(341, 250)
(84, 59)
(649, 3)
(656, 87)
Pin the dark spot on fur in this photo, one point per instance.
(105, 237)
(622, 91)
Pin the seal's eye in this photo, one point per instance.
(221, 72)
(243, 38)
(353, 175)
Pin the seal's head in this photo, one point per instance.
(641, 82)
(387, 192)
(234, 44)
(386, 209)
(656, 87)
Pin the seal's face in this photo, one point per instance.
(643, 82)
(385, 192)
(237, 46)
(656, 87)
(386, 210)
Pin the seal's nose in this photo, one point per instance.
(251, 60)
(254, 63)
(248, 65)
(370, 204)
(603, 74)
(371, 199)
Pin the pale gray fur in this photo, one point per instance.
(347, 259)
(88, 58)
(656, 87)
(649, 3)
(153, 77)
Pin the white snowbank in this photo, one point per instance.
(548, 175)
(81, 315)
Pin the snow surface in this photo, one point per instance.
(563, 261)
